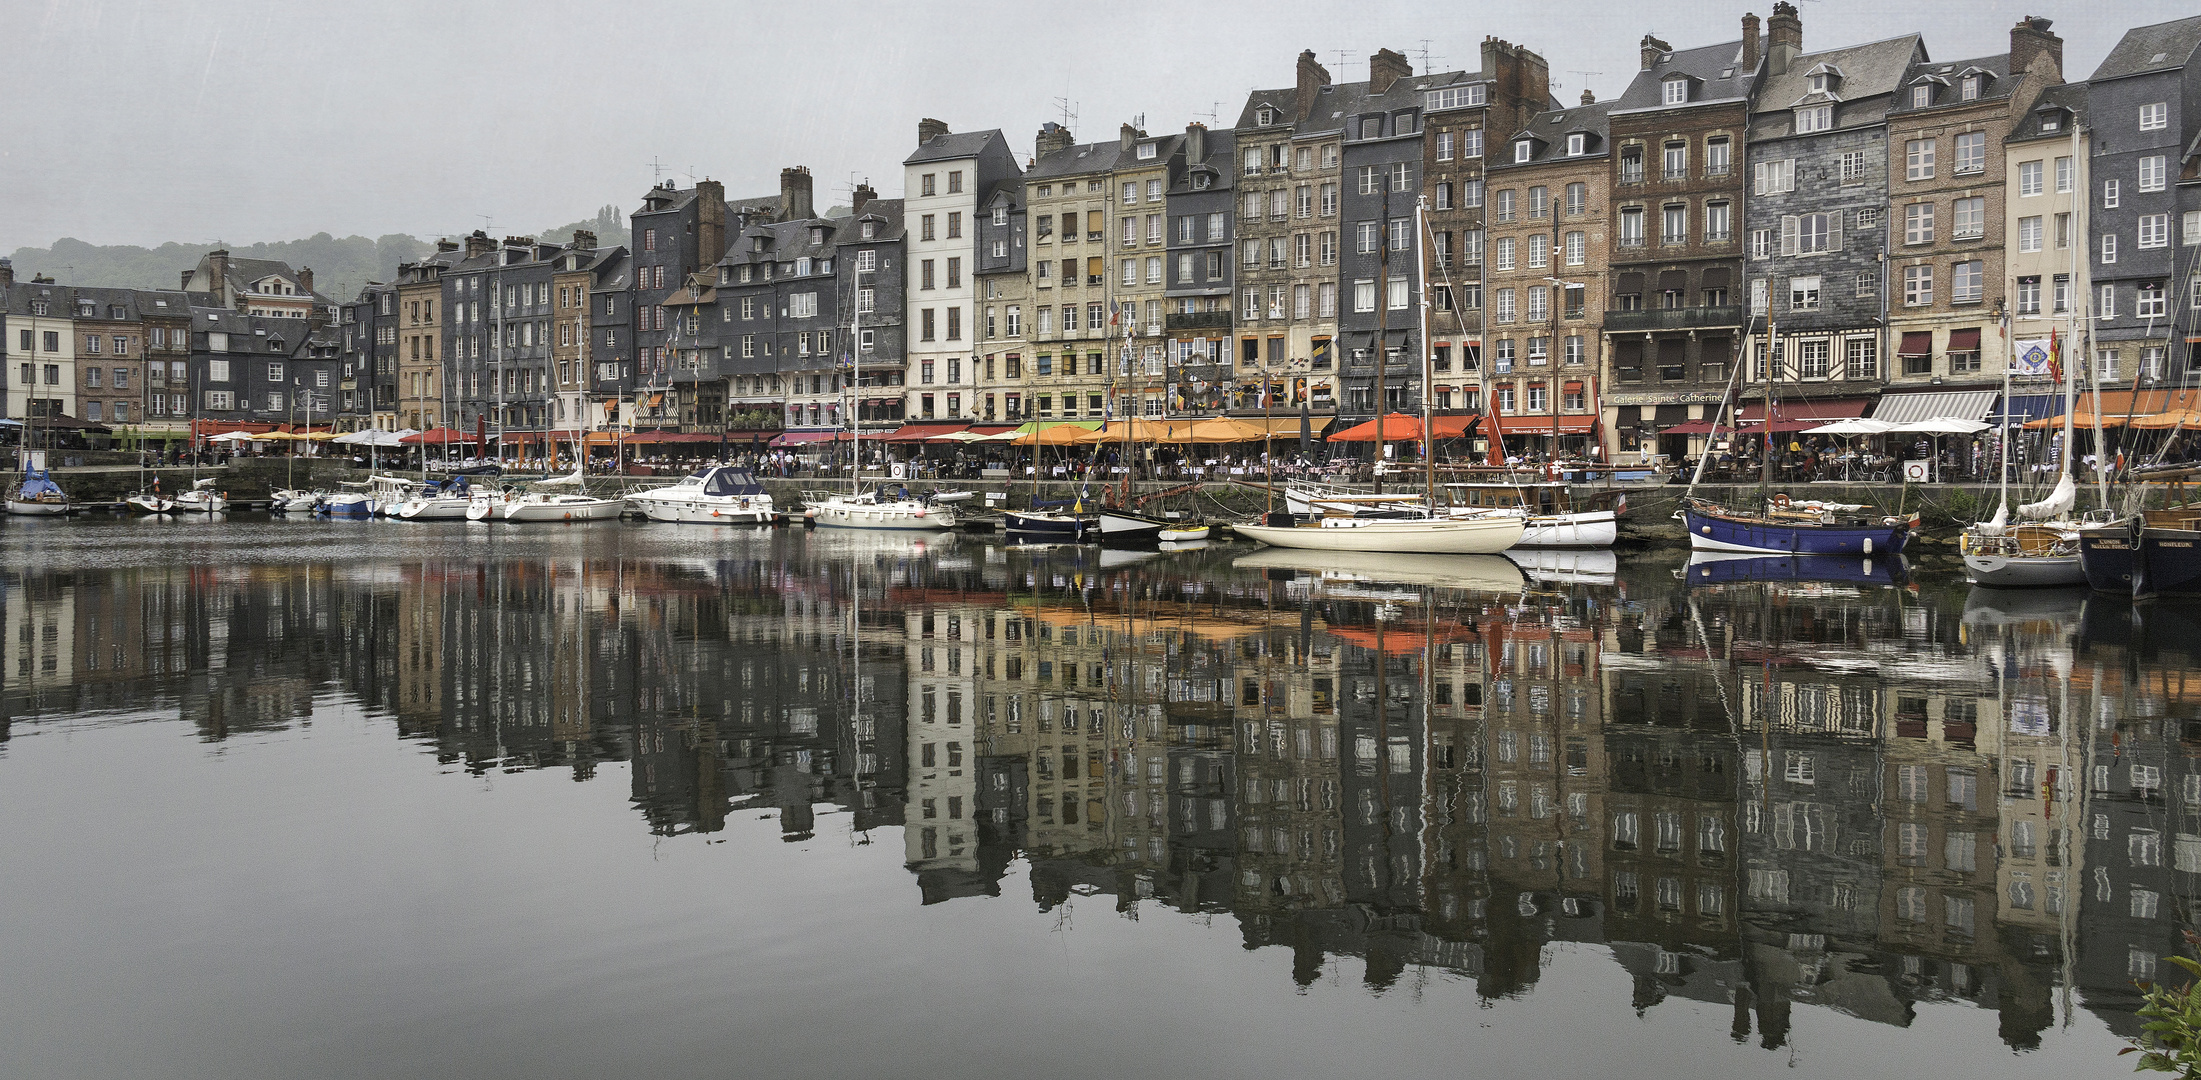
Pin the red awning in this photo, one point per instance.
(798, 438)
(1963, 340)
(1397, 427)
(1693, 427)
(910, 433)
(1450, 427)
(992, 429)
(1822, 410)
(1541, 425)
(436, 437)
(1916, 343)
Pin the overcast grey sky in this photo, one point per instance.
(251, 120)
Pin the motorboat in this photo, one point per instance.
(717, 495)
(292, 501)
(149, 502)
(1791, 527)
(440, 500)
(36, 494)
(370, 498)
(202, 498)
(880, 508)
(1485, 535)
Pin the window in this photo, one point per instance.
(2147, 301)
(2028, 298)
(1967, 282)
(1971, 152)
(2063, 231)
(1918, 286)
(1674, 91)
(1329, 200)
(1861, 356)
(1673, 162)
(1502, 259)
(1719, 223)
(2109, 247)
(2063, 175)
(2108, 306)
(1803, 293)
(1674, 225)
(2029, 233)
(1774, 177)
(1577, 144)
(2151, 173)
(1918, 223)
(1969, 222)
(1364, 296)
(1918, 159)
(1761, 243)
(2029, 178)
(2154, 230)
(1814, 118)
(2154, 117)
(1717, 156)
(1578, 197)
(2111, 189)
(2189, 230)
(1631, 227)
(1576, 248)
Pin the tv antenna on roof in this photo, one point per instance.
(1585, 76)
(657, 171)
(1342, 63)
(1426, 66)
(488, 224)
(1068, 110)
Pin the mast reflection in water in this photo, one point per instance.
(1860, 798)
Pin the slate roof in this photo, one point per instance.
(1086, 158)
(955, 144)
(612, 273)
(1717, 69)
(2146, 49)
(1869, 76)
(1551, 129)
(786, 242)
(2001, 85)
(891, 227)
(1222, 154)
(104, 299)
(2070, 96)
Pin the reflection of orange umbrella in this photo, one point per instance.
(1397, 427)
(1401, 637)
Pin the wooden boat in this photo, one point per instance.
(2029, 555)
(1434, 535)
(1555, 518)
(1182, 534)
(2166, 555)
(1050, 525)
(1794, 528)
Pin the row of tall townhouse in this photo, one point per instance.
(1865, 225)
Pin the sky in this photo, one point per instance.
(251, 120)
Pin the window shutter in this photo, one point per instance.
(1788, 234)
(1834, 231)
(1757, 184)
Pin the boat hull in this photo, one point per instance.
(745, 510)
(356, 507)
(28, 508)
(884, 517)
(1436, 536)
(1043, 526)
(1589, 529)
(147, 504)
(432, 510)
(1117, 527)
(2105, 557)
(1710, 533)
(1182, 535)
(2167, 564)
(523, 512)
(1999, 571)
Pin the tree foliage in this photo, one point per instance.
(2170, 1040)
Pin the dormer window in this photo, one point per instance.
(1922, 95)
(1523, 151)
(1819, 82)
(1371, 128)
(869, 230)
(1202, 181)
(1147, 151)
(802, 266)
(1972, 86)
(1674, 91)
(2051, 122)
(1264, 116)
(1577, 144)
(817, 235)
(756, 243)
(1814, 118)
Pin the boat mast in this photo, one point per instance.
(856, 375)
(1383, 302)
(1772, 363)
(2078, 228)
(1428, 437)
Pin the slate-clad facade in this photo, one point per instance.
(1201, 245)
(2145, 107)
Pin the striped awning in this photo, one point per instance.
(1911, 408)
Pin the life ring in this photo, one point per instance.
(1780, 502)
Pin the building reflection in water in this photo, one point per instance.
(1761, 795)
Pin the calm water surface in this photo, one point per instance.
(372, 800)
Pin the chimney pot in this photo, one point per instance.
(1385, 68)
(584, 240)
(1651, 49)
(1784, 37)
(1195, 143)
(1053, 138)
(186, 283)
(305, 280)
(929, 129)
(795, 194)
(2031, 39)
(1128, 136)
(1589, 98)
(1312, 78)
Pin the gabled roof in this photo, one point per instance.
(956, 145)
(785, 241)
(1717, 69)
(104, 300)
(887, 212)
(2146, 49)
(1086, 159)
(1874, 69)
(1550, 130)
(2000, 84)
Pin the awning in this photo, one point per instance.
(799, 438)
(2119, 406)
(1916, 343)
(910, 433)
(1693, 427)
(204, 428)
(2019, 408)
(1897, 408)
(1819, 411)
(1397, 427)
(1541, 425)
(1966, 340)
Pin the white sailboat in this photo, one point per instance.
(539, 506)
(878, 508)
(34, 493)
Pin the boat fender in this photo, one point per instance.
(919, 514)
(1868, 545)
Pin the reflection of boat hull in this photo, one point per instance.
(1488, 573)
(1585, 567)
(1998, 607)
(1442, 536)
(2168, 563)
(1588, 529)
(1713, 568)
(2105, 556)
(1040, 525)
(1750, 536)
(1996, 570)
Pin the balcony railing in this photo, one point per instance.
(1197, 320)
(1690, 318)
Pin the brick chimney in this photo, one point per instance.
(1784, 37)
(1195, 143)
(1387, 67)
(1589, 98)
(795, 194)
(710, 221)
(1127, 136)
(584, 240)
(1312, 78)
(861, 198)
(1523, 85)
(305, 280)
(1750, 41)
(1053, 138)
(1651, 49)
(7, 273)
(2030, 39)
(929, 129)
(217, 268)
(478, 245)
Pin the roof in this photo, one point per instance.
(2001, 85)
(1011, 189)
(1222, 154)
(1716, 69)
(2069, 96)
(103, 299)
(888, 212)
(611, 272)
(786, 241)
(2146, 49)
(1868, 77)
(1551, 129)
(1086, 158)
(955, 145)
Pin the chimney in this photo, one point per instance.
(305, 280)
(186, 285)
(1589, 98)
(795, 194)
(1053, 138)
(929, 129)
(2030, 39)
(1312, 78)
(584, 240)
(1784, 38)
(1195, 143)
(446, 245)
(710, 221)
(1387, 67)
(1652, 48)
(861, 198)
(1128, 136)
(7, 273)
(1749, 41)
(217, 268)
(41, 279)
(478, 245)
